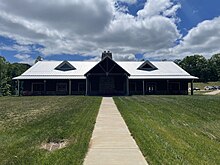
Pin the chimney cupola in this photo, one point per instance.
(106, 54)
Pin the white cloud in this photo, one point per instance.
(128, 1)
(124, 57)
(89, 27)
(161, 7)
(16, 47)
(172, 11)
(202, 39)
(24, 58)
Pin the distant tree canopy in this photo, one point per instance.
(199, 66)
(7, 72)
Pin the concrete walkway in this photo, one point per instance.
(111, 142)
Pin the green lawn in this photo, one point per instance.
(27, 122)
(174, 129)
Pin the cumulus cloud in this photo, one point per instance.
(62, 15)
(164, 7)
(202, 39)
(89, 27)
(24, 58)
(128, 1)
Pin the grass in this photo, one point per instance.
(27, 122)
(174, 129)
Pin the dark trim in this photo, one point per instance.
(104, 74)
(59, 67)
(105, 58)
(142, 66)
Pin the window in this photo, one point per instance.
(61, 87)
(81, 87)
(37, 87)
(174, 86)
(147, 65)
(65, 66)
(132, 86)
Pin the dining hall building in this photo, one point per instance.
(104, 77)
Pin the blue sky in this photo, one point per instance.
(131, 29)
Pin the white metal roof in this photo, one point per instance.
(46, 70)
(165, 70)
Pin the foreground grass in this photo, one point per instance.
(174, 129)
(27, 122)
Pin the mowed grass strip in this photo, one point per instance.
(174, 129)
(27, 122)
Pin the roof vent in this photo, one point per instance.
(65, 66)
(106, 54)
(147, 65)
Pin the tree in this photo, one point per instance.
(215, 65)
(4, 85)
(15, 70)
(7, 72)
(197, 66)
(177, 61)
(39, 58)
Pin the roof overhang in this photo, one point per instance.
(57, 77)
(178, 77)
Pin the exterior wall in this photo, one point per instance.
(78, 87)
(107, 85)
(52, 87)
(158, 87)
(96, 86)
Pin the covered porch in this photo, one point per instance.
(51, 87)
(107, 78)
(159, 87)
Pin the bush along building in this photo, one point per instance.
(104, 77)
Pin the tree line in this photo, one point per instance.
(205, 69)
(7, 72)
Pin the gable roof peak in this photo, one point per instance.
(106, 60)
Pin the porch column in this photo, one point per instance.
(45, 87)
(70, 87)
(18, 87)
(167, 86)
(143, 87)
(192, 87)
(87, 83)
(127, 86)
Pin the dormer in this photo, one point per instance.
(65, 66)
(148, 66)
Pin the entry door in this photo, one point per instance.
(106, 85)
(151, 88)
